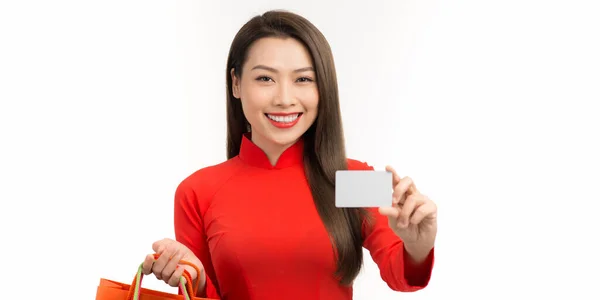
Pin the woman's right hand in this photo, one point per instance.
(167, 267)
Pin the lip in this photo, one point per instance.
(284, 114)
(283, 125)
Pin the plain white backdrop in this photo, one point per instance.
(490, 106)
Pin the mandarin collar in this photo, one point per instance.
(252, 155)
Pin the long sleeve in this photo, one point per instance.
(234, 217)
(189, 230)
(387, 251)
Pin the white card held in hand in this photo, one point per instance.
(363, 188)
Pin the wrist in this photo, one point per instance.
(417, 253)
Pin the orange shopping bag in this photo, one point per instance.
(113, 290)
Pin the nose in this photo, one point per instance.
(285, 95)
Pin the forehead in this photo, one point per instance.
(279, 53)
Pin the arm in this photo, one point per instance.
(403, 267)
(189, 230)
(398, 268)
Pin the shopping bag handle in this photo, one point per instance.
(186, 273)
(185, 282)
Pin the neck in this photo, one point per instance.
(272, 150)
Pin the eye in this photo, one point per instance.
(304, 79)
(264, 78)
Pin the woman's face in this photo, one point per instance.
(278, 91)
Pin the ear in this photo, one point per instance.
(235, 84)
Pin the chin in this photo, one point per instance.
(285, 139)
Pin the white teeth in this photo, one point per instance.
(283, 119)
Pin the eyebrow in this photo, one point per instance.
(263, 67)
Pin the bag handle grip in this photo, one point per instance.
(185, 282)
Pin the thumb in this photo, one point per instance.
(395, 176)
(197, 279)
(191, 271)
(194, 261)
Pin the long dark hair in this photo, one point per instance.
(324, 150)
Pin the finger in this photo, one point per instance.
(159, 246)
(390, 212)
(174, 279)
(171, 266)
(401, 189)
(429, 209)
(408, 208)
(163, 259)
(399, 199)
(147, 265)
(395, 176)
(171, 261)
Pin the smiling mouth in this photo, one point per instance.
(290, 118)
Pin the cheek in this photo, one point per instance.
(311, 100)
(313, 106)
(255, 99)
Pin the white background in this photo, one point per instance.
(491, 106)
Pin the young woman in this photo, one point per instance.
(263, 224)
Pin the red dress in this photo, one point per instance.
(256, 230)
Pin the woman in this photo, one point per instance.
(263, 224)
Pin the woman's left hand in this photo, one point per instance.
(412, 216)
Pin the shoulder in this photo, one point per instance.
(354, 164)
(203, 183)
